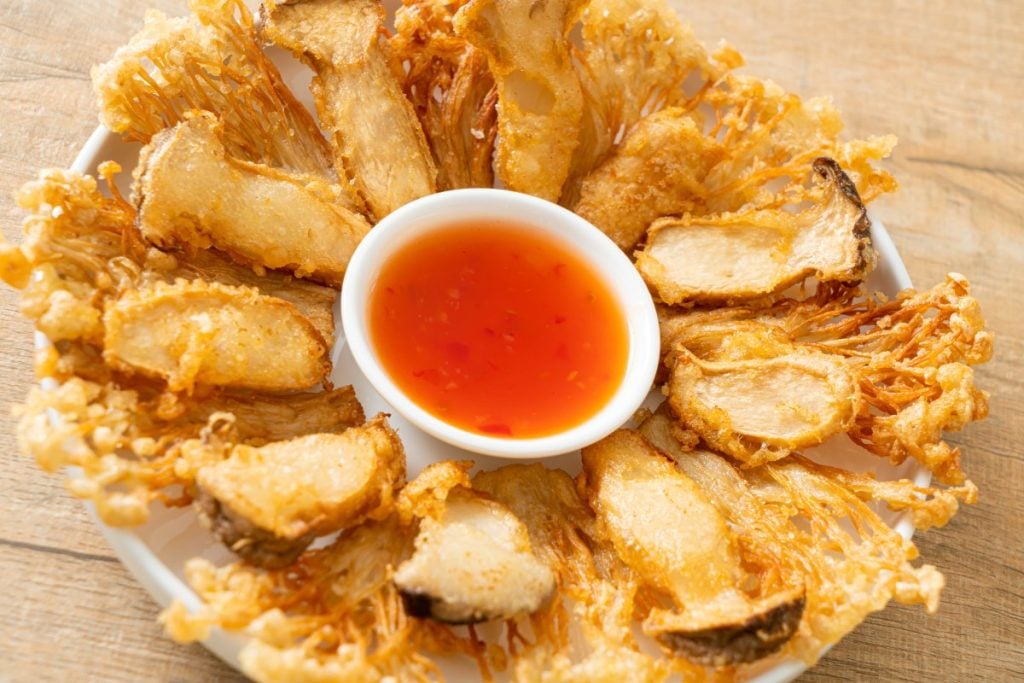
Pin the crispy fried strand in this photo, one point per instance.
(452, 90)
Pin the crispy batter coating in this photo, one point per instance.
(472, 563)
(313, 300)
(205, 333)
(210, 61)
(268, 503)
(762, 409)
(754, 253)
(665, 529)
(540, 102)
(452, 90)
(655, 172)
(189, 191)
(377, 139)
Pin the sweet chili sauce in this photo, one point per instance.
(498, 330)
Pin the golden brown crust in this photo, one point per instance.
(377, 139)
(190, 192)
(540, 102)
(197, 332)
(748, 254)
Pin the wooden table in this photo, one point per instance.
(945, 76)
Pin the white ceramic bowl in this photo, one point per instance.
(530, 214)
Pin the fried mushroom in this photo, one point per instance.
(206, 333)
(376, 136)
(189, 191)
(762, 409)
(664, 527)
(268, 503)
(655, 172)
(473, 563)
(540, 101)
(212, 61)
(748, 254)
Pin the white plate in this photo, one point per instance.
(156, 552)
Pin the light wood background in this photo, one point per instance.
(946, 76)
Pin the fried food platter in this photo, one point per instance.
(887, 357)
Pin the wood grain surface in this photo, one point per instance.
(945, 76)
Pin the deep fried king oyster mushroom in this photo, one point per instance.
(753, 253)
(377, 138)
(268, 503)
(766, 401)
(205, 333)
(190, 191)
(664, 528)
(473, 561)
(540, 102)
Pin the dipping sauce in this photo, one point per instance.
(498, 330)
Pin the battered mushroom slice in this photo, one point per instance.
(206, 333)
(760, 409)
(267, 504)
(665, 529)
(747, 254)
(376, 136)
(540, 100)
(190, 191)
(473, 563)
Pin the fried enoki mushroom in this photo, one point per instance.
(540, 103)
(73, 255)
(452, 91)
(128, 440)
(211, 61)
(189, 191)
(771, 139)
(634, 60)
(377, 139)
(755, 253)
(804, 524)
(332, 615)
(910, 357)
(268, 503)
(663, 527)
